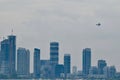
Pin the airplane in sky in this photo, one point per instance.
(98, 24)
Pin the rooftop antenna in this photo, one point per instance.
(12, 29)
(12, 32)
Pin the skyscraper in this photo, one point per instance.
(0, 56)
(112, 71)
(54, 52)
(4, 68)
(59, 69)
(67, 65)
(12, 53)
(101, 65)
(23, 62)
(36, 63)
(86, 60)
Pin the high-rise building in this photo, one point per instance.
(86, 61)
(4, 68)
(54, 56)
(112, 71)
(0, 56)
(12, 54)
(54, 52)
(36, 63)
(106, 72)
(101, 65)
(109, 72)
(59, 69)
(93, 70)
(46, 69)
(23, 62)
(67, 65)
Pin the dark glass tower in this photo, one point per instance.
(12, 53)
(54, 52)
(59, 69)
(67, 64)
(86, 60)
(36, 63)
(4, 66)
(101, 65)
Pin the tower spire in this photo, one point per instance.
(12, 32)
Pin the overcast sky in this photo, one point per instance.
(72, 23)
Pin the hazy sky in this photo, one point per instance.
(70, 22)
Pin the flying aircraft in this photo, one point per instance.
(98, 24)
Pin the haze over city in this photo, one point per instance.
(72, 23)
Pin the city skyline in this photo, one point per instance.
(72, 23)
(62, 59)
(15, 63)
(53, 48)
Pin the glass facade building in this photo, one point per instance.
(59, 69)
(23, 62)
(54, 52)
(12, 54)
(4, 68)
(67, 65)
(8, 55)
(101, 65)
(36, 63)
(86, 61)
